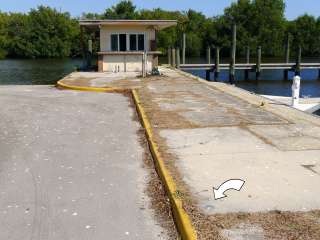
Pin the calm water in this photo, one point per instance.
(51, 70)
(36, 71)
(271, 83)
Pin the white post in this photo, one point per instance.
(147, 67)
(295, 90)
(146, 64)
(143, 65)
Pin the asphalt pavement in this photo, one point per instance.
(71, 167)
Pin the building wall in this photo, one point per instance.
(106, 30)
(130, 63)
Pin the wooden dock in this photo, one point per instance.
(250, 66)
(174, 60)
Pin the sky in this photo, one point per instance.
(209, 8)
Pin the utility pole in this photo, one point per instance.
(60, 6)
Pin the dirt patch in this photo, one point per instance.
(59, 87)
(275, 224)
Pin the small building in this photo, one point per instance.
(122, 43)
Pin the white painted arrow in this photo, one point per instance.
(230, 184)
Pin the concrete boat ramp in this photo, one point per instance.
(218, 133)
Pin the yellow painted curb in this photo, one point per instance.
(88, 88)
(182, 220)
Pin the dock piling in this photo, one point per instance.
(173, 57)
(216, 66)
(208, 55)
(183, 48)
(89, 51)
(319, 69)
(246, 72)
(258, 64)
(233, 53)
(169, 55)
(298, 62)
(177, 57)
(286, 60)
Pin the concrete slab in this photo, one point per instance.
(266, 119)
(194, 105)
(159, 89)
(71, 167)
(306, 104)
(205, 105)
(217, 117)
(274, 179)
(291, 137)
(255, 112)
(99, 79)
(285, 178)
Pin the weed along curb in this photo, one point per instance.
(181, 218)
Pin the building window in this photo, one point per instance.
(118, 42)
(114, 42)
(137, 42)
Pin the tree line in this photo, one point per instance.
(45, 32)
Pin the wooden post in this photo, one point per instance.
(258, 66)
(232, 53)
(208, 75)
(319, 69)
(298, 62)
(178, 57)
(246, 72)
(286, 60)
(183, 48)
(82, 50)
(169, 55)
(173, 57)
(208, 53)
(89, 52)
(216, 66)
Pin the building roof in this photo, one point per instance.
(156, 24)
